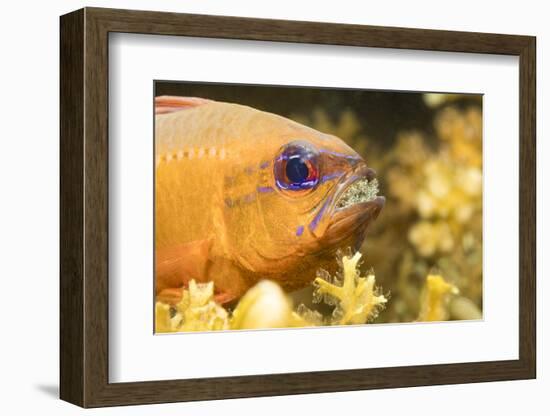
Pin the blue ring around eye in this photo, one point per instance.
(296, 167)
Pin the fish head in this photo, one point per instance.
(316, 195)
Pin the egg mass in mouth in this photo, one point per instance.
(362, 190)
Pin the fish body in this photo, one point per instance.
(243, 195)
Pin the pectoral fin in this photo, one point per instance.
(170, 296)
(176, 266)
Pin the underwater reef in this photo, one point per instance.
(426, 245)
(432, 221)
(354, 299)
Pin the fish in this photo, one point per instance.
(243, 195)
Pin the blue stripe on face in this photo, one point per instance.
(264, 189)
(264, 165)
(342, 155)
(299, 230)
(313, 224)
(330, 177)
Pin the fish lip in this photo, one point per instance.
(353, 221)
(359, 213)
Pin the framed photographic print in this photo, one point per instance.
(257, 207)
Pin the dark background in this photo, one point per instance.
(382, 113)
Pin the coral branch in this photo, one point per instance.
(434, 302)
(357, 299)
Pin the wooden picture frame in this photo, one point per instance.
(84, 207)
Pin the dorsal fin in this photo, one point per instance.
(165, 104)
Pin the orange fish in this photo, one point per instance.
(243, 195)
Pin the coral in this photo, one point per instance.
(462, 308)
(304, 316)
(196, 311)
(199, 311)
(356, 298)
(431, 237)
(432, 179)
(264, 306)
(163, 319)
(435, 299)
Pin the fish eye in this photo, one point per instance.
(296, 168)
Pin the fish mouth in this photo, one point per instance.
(358, 188)
(358, 191)
(356, 203)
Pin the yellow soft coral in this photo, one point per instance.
(196, 311)
(431, 237)
(356, 298)
(434, 302)
(264, 306)
(164, 322)
(432, 176)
